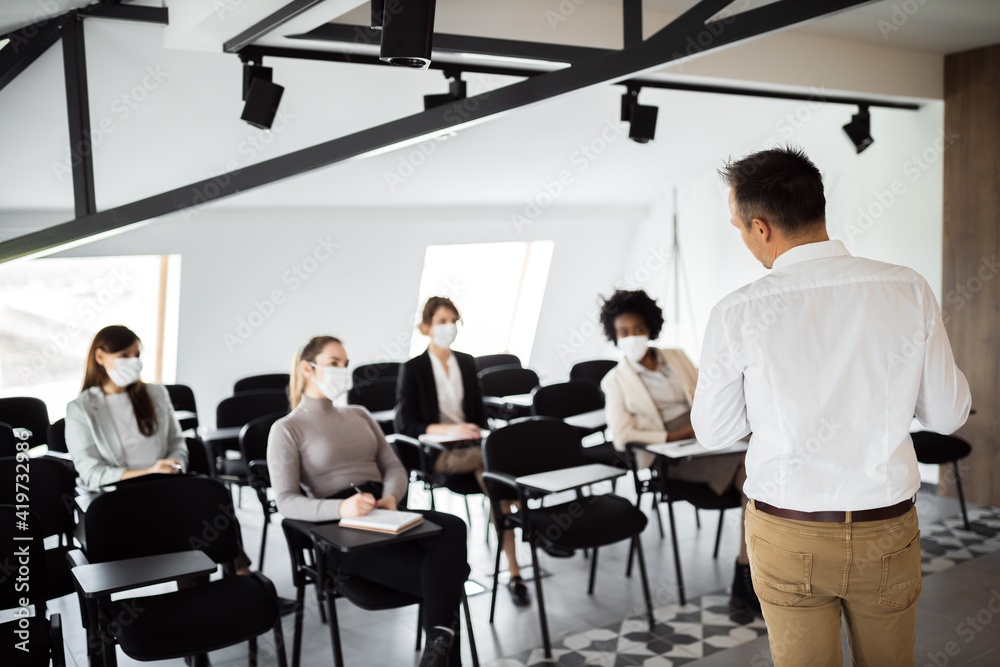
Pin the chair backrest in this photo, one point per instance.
(8, 441)
(375, 395)
(181, 397)
(199, 458)
(531, 445)
(591, 371)
(161, 516)
(253, 437)
(493, 360)
(50, 493)
(57, 436)
(507, 380)
(27, 412)
(565, 399)
(936, 448)
(277, 381)
(244, 407)
(366, 373)
(22, 537)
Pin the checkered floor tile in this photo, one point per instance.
(707, 624)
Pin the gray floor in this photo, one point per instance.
(374, 639)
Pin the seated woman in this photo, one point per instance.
(119, 426)
(328, 462)
(648, 399)
(438, 393)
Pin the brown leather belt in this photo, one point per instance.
(877, 514)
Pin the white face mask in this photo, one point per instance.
(634, 347)
(126, 371)
(444, 335)
(333, 382)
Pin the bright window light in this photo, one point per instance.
(498, 288)
(50, 309)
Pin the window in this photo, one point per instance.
(50, 309)
(497, 287)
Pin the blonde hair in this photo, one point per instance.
(309, 352)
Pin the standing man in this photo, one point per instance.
(826, 361)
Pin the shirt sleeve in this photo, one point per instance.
(944, 399)
(408, 419)
(719, 412)
(284, 466)
(623, 424)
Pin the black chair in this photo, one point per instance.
(199, 457)
(8, 441)
(936, 449)
(363, 593)
(377, 396)
(50, 495)
(57, 436)
(277, 381)
(500, 381)
(238, 411)
(163, 516)
(540, 445)
(253, 445)
(669, 491)
(29, 413)
(591, 371)
(565, 399)
(182, 398)
(31, 586)
(493, 360)
(365, 373)
(418, 458)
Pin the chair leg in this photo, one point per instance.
(637, 540)
(697, 518)
(677, 553)
(252, 652)
(300, 598)
(263, 541)
(961, 495)
(329, 595)
(431, 491)
(541, 602)
(468, 514)
(593, 571)
(657, 500)
(718, 534)
(420, 625)
(468, 629)
(496, 573)
(279, 643)
(631, 557)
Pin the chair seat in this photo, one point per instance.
(373, 596)
(591, 521)
(200, 620)
(702, 496)
(934, 448)
(39, 647)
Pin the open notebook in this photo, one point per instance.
(384, 521)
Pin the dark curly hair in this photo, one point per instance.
(636, 302)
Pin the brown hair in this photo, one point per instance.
(112, 339)
(432, 306)
(309, 352)
(781, 186)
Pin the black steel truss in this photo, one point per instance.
(26, 44)
(78, 114)
(668, 44)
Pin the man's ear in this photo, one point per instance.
(762, 228)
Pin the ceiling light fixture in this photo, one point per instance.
(641, 119)
(261, 96)
(859, 130)
(408, 34)
(457, 90)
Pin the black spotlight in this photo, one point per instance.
(457, 90)
(860, 129)
(378, 10)
(641, 119)
(261, 96)
(408, 33)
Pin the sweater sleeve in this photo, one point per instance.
(395, 479)
(284, 465)
(93, 469)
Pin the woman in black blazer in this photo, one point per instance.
(438, 393)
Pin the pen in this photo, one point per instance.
(355, 487)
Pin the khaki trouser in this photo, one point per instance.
(808, 574)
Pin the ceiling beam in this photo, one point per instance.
(116, 10)
(268, 24)
(78, 115)
(26, 44)
(666, 45)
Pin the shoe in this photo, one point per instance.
(743, 596)
(438, 650)
(518, 592)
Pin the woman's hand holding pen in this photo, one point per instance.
(359, 504)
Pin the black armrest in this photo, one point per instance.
(501, 477)
(57, 649)
(102, 579)
(259, 474)
(76, 557)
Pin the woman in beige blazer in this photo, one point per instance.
(648, 399)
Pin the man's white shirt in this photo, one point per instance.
(826, 361)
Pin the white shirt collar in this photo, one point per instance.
(810, 251)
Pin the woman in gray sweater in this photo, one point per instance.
(328, 462)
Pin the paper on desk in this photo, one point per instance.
(684, 448)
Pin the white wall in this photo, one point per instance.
(365, 290)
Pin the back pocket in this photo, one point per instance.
(780, 577)
(901, 582)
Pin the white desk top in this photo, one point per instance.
(682, 449)
(570, 478)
